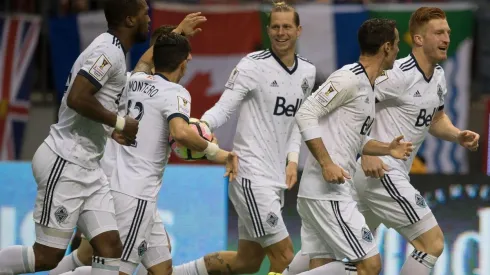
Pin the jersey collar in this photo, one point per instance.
(283, 65)
(420, 70)
(365, 73)
(162, 76)
(117, 41)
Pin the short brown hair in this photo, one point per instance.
(283, 7)
(422, 16)
(164, 29)
(373, 33)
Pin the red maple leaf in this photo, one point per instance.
(201, 102)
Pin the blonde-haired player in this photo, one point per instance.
(411, 103)
(266, 88)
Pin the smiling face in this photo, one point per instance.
(283, 32)
(435, 39)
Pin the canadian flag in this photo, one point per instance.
(228, 35)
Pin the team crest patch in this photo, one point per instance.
(325, 94)
(305, 86)
(272, 219)
(100, 68)
(142, 248)
(61, 214)
(367, 235)
(184, 105)
(231, 80)
(420, 201)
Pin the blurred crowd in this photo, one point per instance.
(63, 7)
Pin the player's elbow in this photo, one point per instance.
(72, 101)
(180, 134)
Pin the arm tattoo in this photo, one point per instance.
(143, 66)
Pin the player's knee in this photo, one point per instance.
(281, 253)
(47, 258)
(435, 246)
(107, 244)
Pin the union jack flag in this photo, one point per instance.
(18, 39)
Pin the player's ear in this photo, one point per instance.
(300, 29)
(130, 21)
(417, 40)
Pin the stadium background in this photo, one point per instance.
(41, 39)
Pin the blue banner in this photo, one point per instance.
(192, 204)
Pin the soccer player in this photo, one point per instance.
(266, 87)
(335, 122)
(411, 103)
(83, 255)
(72, 189)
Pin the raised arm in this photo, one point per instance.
(242, 80)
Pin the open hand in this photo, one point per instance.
(231, 166)
(189, 24)
(291, 174)
(400, 149)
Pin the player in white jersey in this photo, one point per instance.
(72, 189)
(267, 88)
(411, 103)
(335, 122)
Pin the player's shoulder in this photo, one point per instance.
(347, 76)
(439, 71)
(108, 45)
(259, 55)
(306, 64)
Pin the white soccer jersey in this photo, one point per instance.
(344, 106)
(78, 139)
(108, 161)
(154, 101)
(407, 104)
(267, 95)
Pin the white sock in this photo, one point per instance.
(350, 269)
(330, 268)
(197, 267)
(300, 263)
(84, 270)
(105, 266)
(141, 270)
(68, 263)
(17, 260)
(419, 263)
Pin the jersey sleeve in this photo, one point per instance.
(337, 91)
(101, 64)
(442, 91)
(391, 84)
(242, 80)
(177, 104)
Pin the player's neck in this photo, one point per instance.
(125, 38)
(287, 58)
(423, 62)
(171, 77)
(373, 67)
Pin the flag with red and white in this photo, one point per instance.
(19, 36)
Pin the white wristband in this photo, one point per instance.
(293, 157)
(211, 151)
(120, 122)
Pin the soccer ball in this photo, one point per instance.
(183, 152)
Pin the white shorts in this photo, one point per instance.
(140, 231)
(335, 230)
(68, 196)
(395, 202)
(259, 211)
